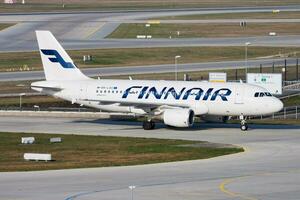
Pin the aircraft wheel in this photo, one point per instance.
(148, 125)
(152, 125)
(244, 127)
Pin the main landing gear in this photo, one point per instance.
(148, 125)
(244, 125)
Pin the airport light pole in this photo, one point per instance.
(132, 187)
(284, 71)
(21, 94)
(246, 58)
(176, 57)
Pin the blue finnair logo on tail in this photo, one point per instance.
(57, 58)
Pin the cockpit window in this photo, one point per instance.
(268, 94)
(256, 94)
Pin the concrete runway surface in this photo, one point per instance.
(269, 169)
(85, 30)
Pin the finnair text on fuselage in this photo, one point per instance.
(144, 92)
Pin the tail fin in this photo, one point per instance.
(56, 62)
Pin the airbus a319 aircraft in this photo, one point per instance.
(176, 103)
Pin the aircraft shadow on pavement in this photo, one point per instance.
(196, 127)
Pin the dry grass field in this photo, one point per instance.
(97, 151)
(143, 56)
(14, 87)
(205, 30)
(30, 101)
(4, 26)
(253, 15)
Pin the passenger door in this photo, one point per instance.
(239, 94)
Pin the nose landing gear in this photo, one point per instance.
(244, 125)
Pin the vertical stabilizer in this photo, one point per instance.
(57, 63)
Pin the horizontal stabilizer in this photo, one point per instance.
(45, 85)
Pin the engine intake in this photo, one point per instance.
(180, 117)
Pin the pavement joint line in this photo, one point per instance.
(92, 32)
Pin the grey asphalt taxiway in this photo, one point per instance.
(268, 169)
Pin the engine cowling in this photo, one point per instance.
(180, 117)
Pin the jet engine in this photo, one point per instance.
(180, 117)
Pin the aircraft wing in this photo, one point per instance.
(141, 105)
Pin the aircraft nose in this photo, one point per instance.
(278, 105)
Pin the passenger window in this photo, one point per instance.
(261, 94)
(256, 94)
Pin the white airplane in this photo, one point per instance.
(176, 103)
